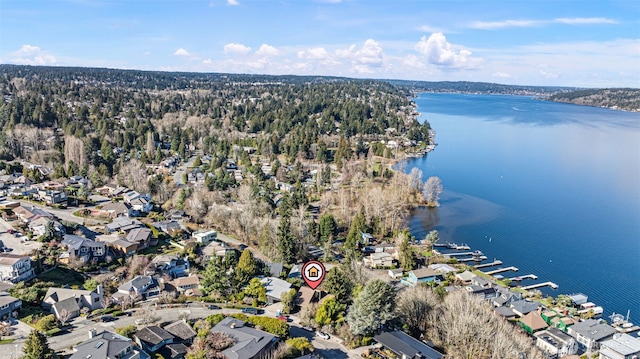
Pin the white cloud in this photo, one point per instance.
(490, 25)
(363, 59)
(233, 2)
(236, 49)
(584, 20)
(500, 74)
(181, 52)
(317, 53)
(413, 61)
(31, 55)
(429, 29)
(440, 52)
(207, 62)
(268, 51)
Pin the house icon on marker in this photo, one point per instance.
(313, 272)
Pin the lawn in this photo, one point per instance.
(61, 277)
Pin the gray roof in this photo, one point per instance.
(554, 336)
(578, 298)
(275, 268)
(593, 330)
(525, 306)
(405, 345)
(137, 283)
(77, 242)
(171, 351)
(103, 346)
(69, 304)
(505, 312)
(276, 286)
(623, 344)
(181, 330)
(249, 341)
(153, 335)
(7, 299)
(138, 234)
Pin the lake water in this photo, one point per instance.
(553, 189)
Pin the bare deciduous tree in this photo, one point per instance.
(431, 191)
(133, 174)
(64, 316)
(74, 151)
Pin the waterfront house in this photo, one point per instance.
(82, 249)
(205, 237)
(465, 277)
(524, 307)
(406, 346)
(422, 275)
(532, 322)
(505, 297)
(152, 338)
(590, 333)
(488, 293)
(106, 345)
(556, 343)
(505, 312)
(578, 298)
(442, 268)
(563, 323)
(249, 343)
(620, 346)
(15, 268)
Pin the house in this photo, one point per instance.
(181, 331)
(121, 224)
(556, 343)
(442, 268)
(563, 323)
(28, 213)
(143, 286)
(51, 197)
(295, 272)
(307, 296)
(406, 346)
(152, 338)
(590, 333)
(172, 265)
(367, 238)
(69, 302)
(505, 312)
(505, 297)
(422, 275)
(481, 282)
(39, 225)
(131, 196)
(218, 249)
(124, 248)
(83, 249)
(378, 260)
(276, 286)
(188, 285)
(249, 343)
(106, 345)
(15, 268)
(395, 273)
(524, 307)
(275, 268)
(141, 236)
(488, 293)
(173, 351)
(168, 227)
(533, 322)
(383, 247)
(205, 237)
(620, 346)
(465, 277)
(578, 298)
(175, 215)
(117, 209)
(8, 306)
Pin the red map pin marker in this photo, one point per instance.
(313, 273)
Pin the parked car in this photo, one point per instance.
(142, 321)
(309, 329)
(107, 318)
(253, 311)
(323, 335)
(212, 306)
(7, 249)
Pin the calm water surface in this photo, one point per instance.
(553, 189)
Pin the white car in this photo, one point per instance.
(323, 335)
(141, 321)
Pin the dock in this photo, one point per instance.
(540, 285)
(494, 263)
(477, 259)
(463, 254)
(523, 277)
(622, 329)
(500, 270)
(441, 244)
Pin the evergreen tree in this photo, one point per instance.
(373, 308)
(247, 268)
(356, 229)
(337, 283)
(287, 245)
(36, 346)
(327, 227)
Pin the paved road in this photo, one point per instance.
(177, 175)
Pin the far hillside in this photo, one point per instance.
(625, 99)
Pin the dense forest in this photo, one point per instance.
(477, 88)
(625, 99)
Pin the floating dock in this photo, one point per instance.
(500, 270)
(476, 253)
(494, 263)
(523, 277)
(622, 329)
(477, 259)
(540, 285)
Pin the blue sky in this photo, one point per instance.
(562, 42)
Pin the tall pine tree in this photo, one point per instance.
(36, 346)
(287, 245)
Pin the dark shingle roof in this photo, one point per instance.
(181, 330)
(249, 341)
(153, 335)
(405, 345)
(104, 345)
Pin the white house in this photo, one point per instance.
(205, 237)
(15, 268)
(621, 346)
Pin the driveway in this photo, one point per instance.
(18, 245)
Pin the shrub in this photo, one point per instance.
(127, 331)
(214, 319)
(52, 332)
(46, 323)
